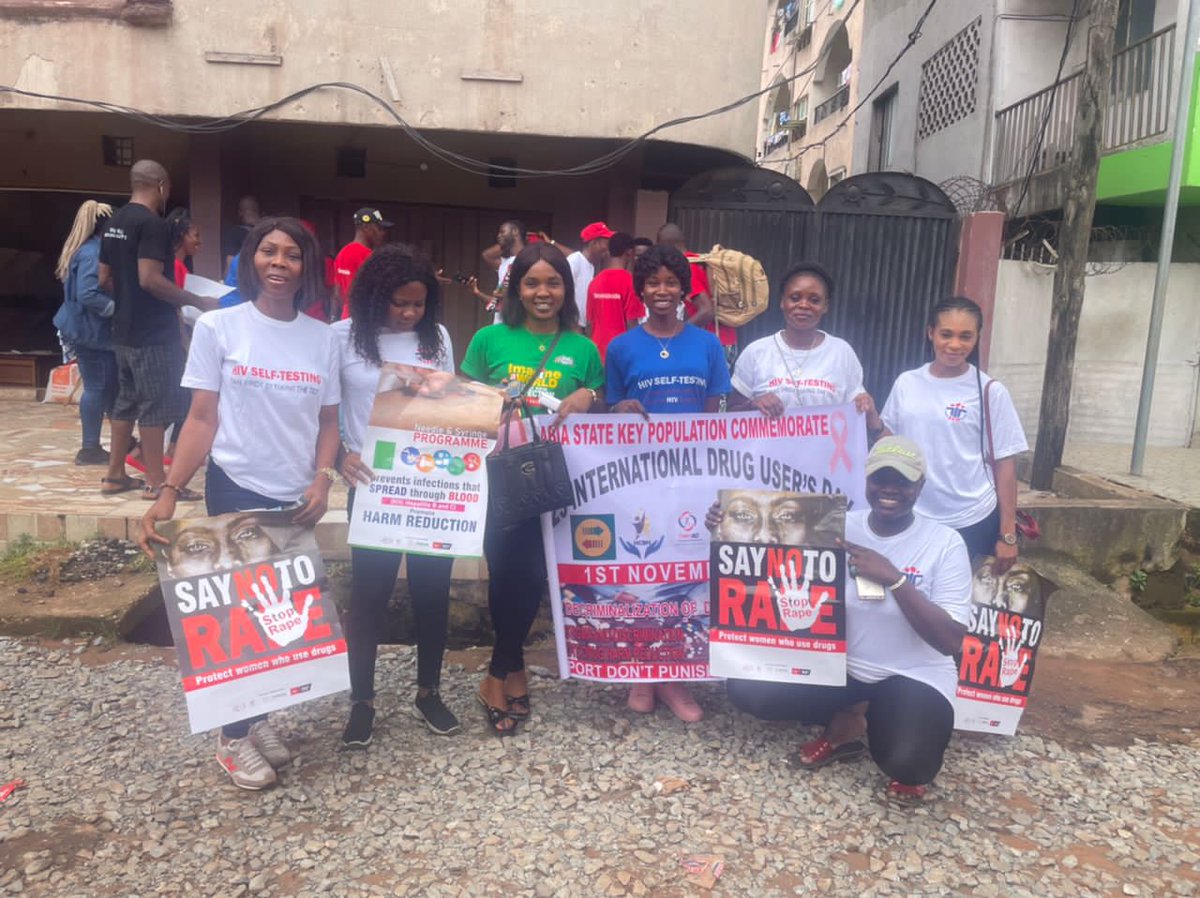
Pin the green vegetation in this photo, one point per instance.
(1138, 580)
(20, 558)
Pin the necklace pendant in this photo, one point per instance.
(541, 347)
(664, 354)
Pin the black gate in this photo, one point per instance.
(889, 240)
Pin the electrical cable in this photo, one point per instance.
(450, 157)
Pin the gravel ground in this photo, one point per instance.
(121, 802)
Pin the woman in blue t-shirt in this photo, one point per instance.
(665, 366)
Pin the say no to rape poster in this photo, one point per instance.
(426, 440)
(777, 605)
(629, 562)
(995, 671)
(254, 628)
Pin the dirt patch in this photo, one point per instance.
(1082, 703)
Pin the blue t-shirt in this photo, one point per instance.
(233, 297)
(695, 370)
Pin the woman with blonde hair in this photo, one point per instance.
(85, 324)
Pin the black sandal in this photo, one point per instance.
(497, 716)
(125, 485)
(518, 706)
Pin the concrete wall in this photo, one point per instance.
(587, 71)
(1108, 361)
(961, 148)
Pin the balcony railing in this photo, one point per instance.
(836, 103)
(1138, 109)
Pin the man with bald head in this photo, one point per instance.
(698, 306)
(135, 255)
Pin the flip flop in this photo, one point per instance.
(183, 494)
(903, 794)
(820, 753)
(126, 484)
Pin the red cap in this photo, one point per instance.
(595, 230)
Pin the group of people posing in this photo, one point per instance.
(937, 493)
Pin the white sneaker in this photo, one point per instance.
(245, 765)
(269, 745)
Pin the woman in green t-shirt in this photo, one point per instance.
(538, 306)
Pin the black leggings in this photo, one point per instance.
(516, 579)
(908, 723)
(981, 536)
(372, 582)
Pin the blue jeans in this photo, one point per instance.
(222, 496)
(98, 368)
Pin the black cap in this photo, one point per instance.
(366, 215)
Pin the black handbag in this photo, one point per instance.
(529, 480)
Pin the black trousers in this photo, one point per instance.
(372, 582)
(981, 536)
(516, 579)
(908, 722)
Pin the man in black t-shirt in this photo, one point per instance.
(135, 255)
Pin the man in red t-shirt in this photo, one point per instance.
(370, 232)
(699, 305)
(612, 305)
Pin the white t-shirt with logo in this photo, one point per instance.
(827, 374)
(880, 642)
(501, 274)
(272, 379)
(944, 416)
(582, 271)
(360, 378)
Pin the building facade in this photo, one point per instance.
(527, 83)
(806, 130)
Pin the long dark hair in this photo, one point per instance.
(385, 271)
(962, 304)
(512, 312)
(312, 274)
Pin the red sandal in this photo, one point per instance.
(904, 794)
(821, 752)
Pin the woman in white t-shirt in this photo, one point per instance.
(801, 364)
(900, 635)
(946, 407)
(394, 306)
(265, 394)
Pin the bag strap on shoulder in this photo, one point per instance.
(519, 405)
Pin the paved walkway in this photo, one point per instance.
(1170, 472)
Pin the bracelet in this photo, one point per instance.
(172, 487)
(331, 473)
(595, 395)
(903, 579)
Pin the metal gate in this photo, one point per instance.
(889, 240)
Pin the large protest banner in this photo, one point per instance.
(629, 562)
(995, 671)
(426, 440)
(778, 603)
(253, 627)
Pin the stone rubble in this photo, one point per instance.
(120, 800)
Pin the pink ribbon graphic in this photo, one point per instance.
(839, 430)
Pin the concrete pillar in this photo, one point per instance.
(204, 192)
(979, 248)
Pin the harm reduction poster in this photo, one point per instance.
(426, 440)
(778, 603)
(629, 561)
(995, 671)
(254, 628)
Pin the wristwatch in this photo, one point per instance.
(331, 473)
(1010, 539)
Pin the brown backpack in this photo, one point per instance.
(738, 285)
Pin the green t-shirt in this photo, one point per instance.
(499, 352)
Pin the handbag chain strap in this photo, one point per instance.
(519, 401)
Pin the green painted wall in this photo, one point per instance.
(1138, 177)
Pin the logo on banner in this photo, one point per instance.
(956, 412)
(592, 537)
(643, 544)
(688, 531)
